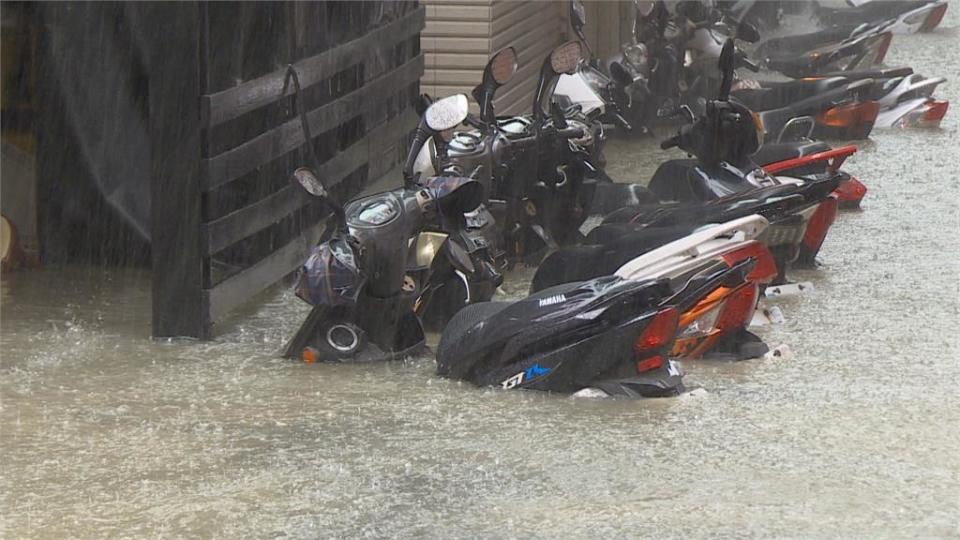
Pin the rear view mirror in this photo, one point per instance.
(644, 7)
(503, 65)
(578, 15)
(309, 182)
(566, 58)
(447, 113)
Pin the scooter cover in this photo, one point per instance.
(330, 276)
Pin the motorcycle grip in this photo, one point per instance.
(670, 143)
(570, 133)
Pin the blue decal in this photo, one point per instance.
(535, 371)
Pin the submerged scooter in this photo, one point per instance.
(368, 275)
(612, 335)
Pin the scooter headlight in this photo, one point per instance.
(636, 56)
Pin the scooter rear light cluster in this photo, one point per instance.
(849, 115)
(820, 223)
(933, 20)
(928, 115)
(764, 267)
(738, 309)
(850, 191)
(659, 332)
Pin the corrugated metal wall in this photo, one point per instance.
(461, 35)
(609, 25)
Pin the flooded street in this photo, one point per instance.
(104, 432)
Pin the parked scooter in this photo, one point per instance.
(544, 167)
(609, 336)
(824, 51)
(375, 268)
(605, 89)
(905, 16)
(904, 98)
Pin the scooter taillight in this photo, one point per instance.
(883, 48)
(659, 332)
(849, 115)
(820, 223)
(933, 20)
(850, 192)
(764, 267)
(936, 110)
(737, 309)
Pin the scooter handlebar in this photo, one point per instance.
(621, 121)
(473, 121)
(748, 64)
(670, 143)
(570, 133)
(565, 133)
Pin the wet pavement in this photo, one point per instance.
(104, 432)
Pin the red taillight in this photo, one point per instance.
(764, 267)
(933, 20)
(936, 110)
(820, 223)
(850, 191)
(648, 364)
(850, 114)
(737, 309)
(884, 47)
(659, 332)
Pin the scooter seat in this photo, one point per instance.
(775, 95)
(609, 247)
(800, 44)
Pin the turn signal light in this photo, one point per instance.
(659, 332)
(850, 114)
(308, 355)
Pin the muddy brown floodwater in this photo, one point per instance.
(107, 433)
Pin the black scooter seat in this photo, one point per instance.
(775, 95)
